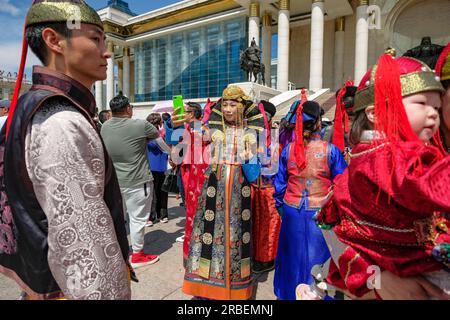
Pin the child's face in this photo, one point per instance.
(446, 109)
(422, 111)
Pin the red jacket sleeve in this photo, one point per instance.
(419, 182)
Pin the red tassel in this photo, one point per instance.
(390, 114)
(18, 85)
(299, 145)
(340, 116)
(389, 110)
(338, 134)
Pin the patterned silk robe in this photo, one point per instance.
(218, 265)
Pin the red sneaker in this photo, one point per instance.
(140, 259)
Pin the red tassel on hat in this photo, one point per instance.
(390, 114)
(341, 114)
(298, 143)
(389, 110)
(18, 85)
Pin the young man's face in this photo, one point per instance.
(86, 54)
(3, 111)
(422, 111)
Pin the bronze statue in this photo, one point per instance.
(251, 63)
(426, 52)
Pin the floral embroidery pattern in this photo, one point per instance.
(65, 162)
(8, 244)
(220, 259)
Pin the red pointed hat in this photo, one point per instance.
(384, 87)
(386, 84)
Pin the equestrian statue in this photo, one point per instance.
(251, 63)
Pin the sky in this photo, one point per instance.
(12, 18)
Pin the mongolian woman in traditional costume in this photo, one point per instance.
(307, 168)
(219, 259)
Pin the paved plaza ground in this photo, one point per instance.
(163, 280)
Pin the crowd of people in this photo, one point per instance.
(353, 209)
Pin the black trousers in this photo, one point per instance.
(160, 196)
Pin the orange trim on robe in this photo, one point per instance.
(216, 293)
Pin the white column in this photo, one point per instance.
(283, 46)
(126, 72)
(267, 46)
(110, 76)
(253, 23)
(316, 59)
(339, 47)
(99, 95)
(362, 40)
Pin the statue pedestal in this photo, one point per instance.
(256, 91)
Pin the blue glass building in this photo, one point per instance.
(195, 63)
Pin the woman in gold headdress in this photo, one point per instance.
(219, 260)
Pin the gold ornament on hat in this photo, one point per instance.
(235, 93)
(46, 11)
(411, 83)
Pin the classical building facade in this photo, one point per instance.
(193, 47)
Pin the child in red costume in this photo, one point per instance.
(387, 208)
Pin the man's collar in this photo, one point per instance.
(43, 78)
